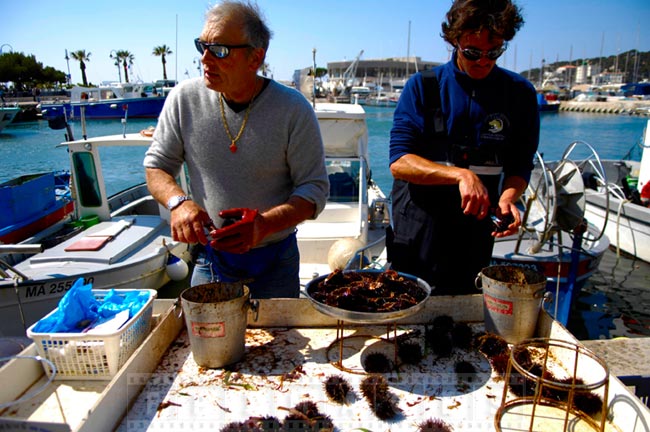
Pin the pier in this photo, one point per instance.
(630, 107)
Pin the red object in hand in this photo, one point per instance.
(236, 237)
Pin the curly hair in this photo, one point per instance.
(252, 20)
(501, 18)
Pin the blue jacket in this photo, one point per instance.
(497, 115)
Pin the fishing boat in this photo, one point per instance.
(291, 350)
(615, 202)
(555, 238)
(547, 103)
(126, 243)
(350, 232)
(116, 100)
(7, 114)
(32, 203)
(383, 99)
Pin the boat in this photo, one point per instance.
(547, 102)
(115, 100)
(126, 243)
(614, 202)
(33, 203)
(383, 99)
(555, 239)
(290, 351)
(7, 114)
(350, 231)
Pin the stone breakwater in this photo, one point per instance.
(641, 108)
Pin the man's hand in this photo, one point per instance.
(507, 220)
(474, 195)
(188, 222)
(238, 232)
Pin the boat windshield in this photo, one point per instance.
(86, 179)
(344, 180)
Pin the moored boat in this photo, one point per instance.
(615, 201)
(7, 115)
(351, 230)
(33, 203)
(127, 243)
(555, 238)
(117, 100)
(291, 350)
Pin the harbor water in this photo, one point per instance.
(614, 302)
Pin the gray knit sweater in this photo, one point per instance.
(279, 154)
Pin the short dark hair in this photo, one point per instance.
(254, 28)
(501, 18)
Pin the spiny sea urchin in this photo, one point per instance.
(491, 345)
(377, 362)
(461, 335)
(434, 425)
(375, 389)
(337, 388)
(465, 370)
(306, 417)
(410, 352)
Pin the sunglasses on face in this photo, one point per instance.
(473, 54)
(218, 50)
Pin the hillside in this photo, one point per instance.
(626, 63)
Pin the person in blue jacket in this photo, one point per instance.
(462, 145)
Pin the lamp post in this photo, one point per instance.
(4, 45)
(197, 62)
(117, 63)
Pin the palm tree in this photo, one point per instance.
(162, 51)
(127, 60)
(82, 58)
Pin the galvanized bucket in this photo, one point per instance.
(512, 299)
(216, 316)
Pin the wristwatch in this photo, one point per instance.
(175, 201)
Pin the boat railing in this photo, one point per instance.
(5, 267)
(359, 260)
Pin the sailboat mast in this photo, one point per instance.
(408, 51)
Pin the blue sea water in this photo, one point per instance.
(615, 302)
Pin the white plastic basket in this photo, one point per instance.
(83, 356)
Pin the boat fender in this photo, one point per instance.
(341, 252)
(176, 268)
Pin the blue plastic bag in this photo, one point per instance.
(79, 309)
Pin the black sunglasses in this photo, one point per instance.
(473, 54)
(218, 50)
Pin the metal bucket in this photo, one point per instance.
(216, 315)
(512, 299)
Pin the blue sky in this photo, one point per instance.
(337, 29)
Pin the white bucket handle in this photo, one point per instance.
(478, 282)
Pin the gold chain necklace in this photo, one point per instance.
(233, 141)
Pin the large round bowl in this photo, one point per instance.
(366, 317)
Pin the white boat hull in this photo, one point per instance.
(628, 225)
(131, 260)
(7, 115)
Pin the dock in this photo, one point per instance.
(627, 359)
(629, 107)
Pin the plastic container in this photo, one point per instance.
(512, 299)
(83, 356)
(89, 220)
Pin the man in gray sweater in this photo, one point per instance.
(254, 156)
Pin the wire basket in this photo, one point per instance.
(84, 356)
